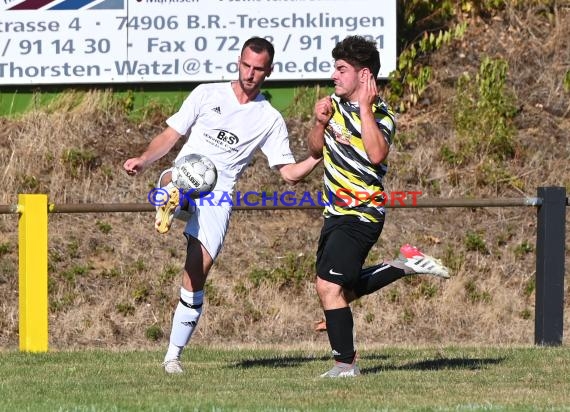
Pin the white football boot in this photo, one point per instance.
(421, 263)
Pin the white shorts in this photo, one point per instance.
(209, 224)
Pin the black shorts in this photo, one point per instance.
(343, 247)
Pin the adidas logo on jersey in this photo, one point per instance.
(217, 110)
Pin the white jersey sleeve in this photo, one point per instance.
(276, 145)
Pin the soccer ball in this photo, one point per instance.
(194, 173)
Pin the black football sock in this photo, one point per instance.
(339, 329)
(376, 277)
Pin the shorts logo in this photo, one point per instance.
(332, 272)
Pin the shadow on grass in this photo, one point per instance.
(278, 362)
(429, 364)
(291, 361)
(437, 364)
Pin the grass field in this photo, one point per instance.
(452, 378)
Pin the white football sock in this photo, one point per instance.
(184, 321)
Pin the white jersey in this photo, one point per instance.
(229, 132)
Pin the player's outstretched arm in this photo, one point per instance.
(158, 147)
(316, 140)
(294, 172)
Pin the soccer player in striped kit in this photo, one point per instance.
(353, 131)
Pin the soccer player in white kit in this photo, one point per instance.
(227, 122)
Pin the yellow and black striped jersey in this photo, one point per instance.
(352, 184)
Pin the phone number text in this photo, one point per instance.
(158, 45)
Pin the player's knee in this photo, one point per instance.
(327, 291)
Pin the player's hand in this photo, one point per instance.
(323, 110)
(368, 92)
(134, 166)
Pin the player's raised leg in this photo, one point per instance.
(171, 202)
(420, 263)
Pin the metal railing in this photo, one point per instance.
(146, 207)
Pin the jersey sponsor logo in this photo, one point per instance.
(340, 133)
(227, 137)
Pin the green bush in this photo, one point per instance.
(154, 333)
(430, 25)
(80, 161)
(294, 271)
(484, 109)
(104, 227)
(474, 242)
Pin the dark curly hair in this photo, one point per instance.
(359, 52)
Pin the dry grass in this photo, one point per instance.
(114, 282)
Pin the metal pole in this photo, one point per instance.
(550, 251)
(396, 204)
